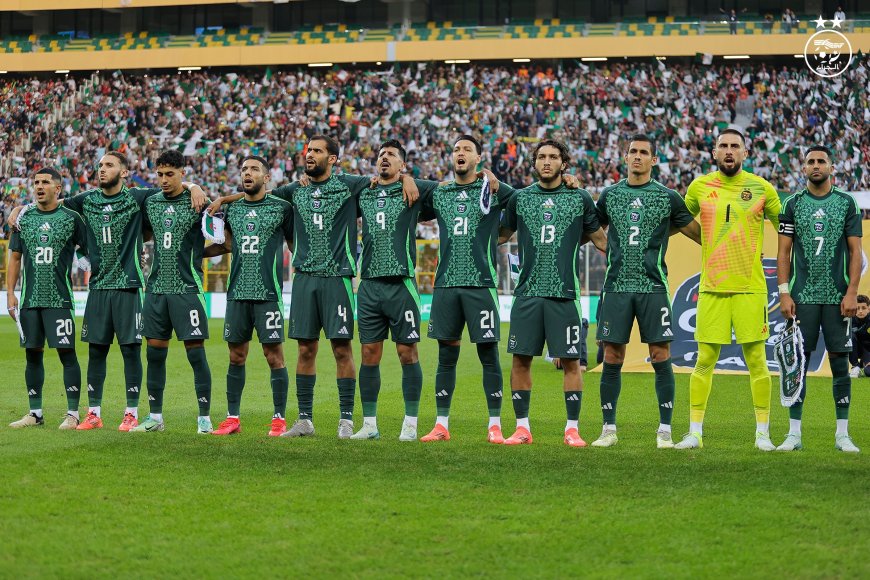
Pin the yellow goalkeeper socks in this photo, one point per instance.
(701, 381)
(759, 380)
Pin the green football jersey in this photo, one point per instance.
(178, 245)
(389, 230)
(47, 243)
(324, 222)
(549, 225)
(819, 227)
(640, 219)
(468, 236)
(259, 229)
(114, 235)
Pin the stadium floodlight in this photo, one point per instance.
(189, 68)
(736, 56)
(661, 58)
(3, 72)
(457, 61)
(62, 71)
(316, 64)
(593, 58)
(522, 60)
(799, 56)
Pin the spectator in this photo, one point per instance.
(860, 355)
(731, 18)
(839, 14)
(768, 23)
(788, 20)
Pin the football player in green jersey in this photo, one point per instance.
(641, 214)
(174, 296)
(43, 251)
(256, 228)
(551, 222)
(465, 282)
(818, 270)
(388, 300)
(114, 222)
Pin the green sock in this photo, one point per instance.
(611, 384)
(665, 389)
(572, 404)
(156, 380)
(72, 378)
(97, 354)
(492, 378)
(445, 378)
(201, 379)
(34, 377)
(369, 387)
(132, 355)
(235, 386)
(346, 394)
(305, 395)
(280, 386)
(412, 386)
(842, 385)
(521, 400)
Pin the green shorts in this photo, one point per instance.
(453, 308)
(185, 313)
(243, 316)
(321, 303)
(618, 310)
(388, 304)
(558, 321)
(55, 324)
(111, 313)
(719, 313)
(836, 327)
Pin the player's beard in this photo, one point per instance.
(253, 189)
(732, 171)
(316, 171)
(818, 180)
(111, 183)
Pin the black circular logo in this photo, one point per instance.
(819, 226)
(44, 238)
(316, 204)
(167, 223)
(746, 195)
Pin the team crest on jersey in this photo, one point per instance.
(316, 204)
(251, 226)
(819, 226)
(605, 329)
(106, 218)
(634, 216)
(746, 195)
(461, 208)
(382, 203)
(44, 238)
(548, 216)
(226, 330)
(167, 223)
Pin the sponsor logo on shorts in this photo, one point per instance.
(667, 333)
(413, 335)
(196, 332)
(63, 340)
(605, 329)
(84, 329)
(512, 341)
(572, 350)
(274, 335)
(226, 330)
(488, 334)
(343, 330)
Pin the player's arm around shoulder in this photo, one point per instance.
(508, 221)
(772, 203)
(591, 226)
(681, 220)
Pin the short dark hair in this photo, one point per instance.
(823, 148)
(257, 158)
(171, 158)
(55, 174)
(395, 145)
(332, 146)
(645, 139)
(732, 131)
(863, 299)
(122, 159)
(471, 138)
(564, 154)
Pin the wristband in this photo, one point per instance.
(783, 288)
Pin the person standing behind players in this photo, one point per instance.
(46, 247)
(256, 228)
(859, 358)
(387, 298)
(732, 205)
(818, 269)
(465, 283)
(550, 221)
(174, 295)
(640, 212)
(114, 307)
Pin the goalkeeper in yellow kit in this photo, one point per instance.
(732, 205)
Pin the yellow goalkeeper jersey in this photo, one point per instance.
(732, 212)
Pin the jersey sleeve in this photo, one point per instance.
(80, 236)
(287, 224)
(680, 216)
(425, 187)
(140, 194)
(590, 214)
(355, 183)
(15, 242)
(772, 204)
(786, 218)
(601, 209)
(509, 216)
(693, 202)
(285, 192)
(853, 220)
(505, 193)
(76, 202)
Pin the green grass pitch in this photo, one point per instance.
(176, 504)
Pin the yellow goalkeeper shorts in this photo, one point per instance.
(719, 313)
